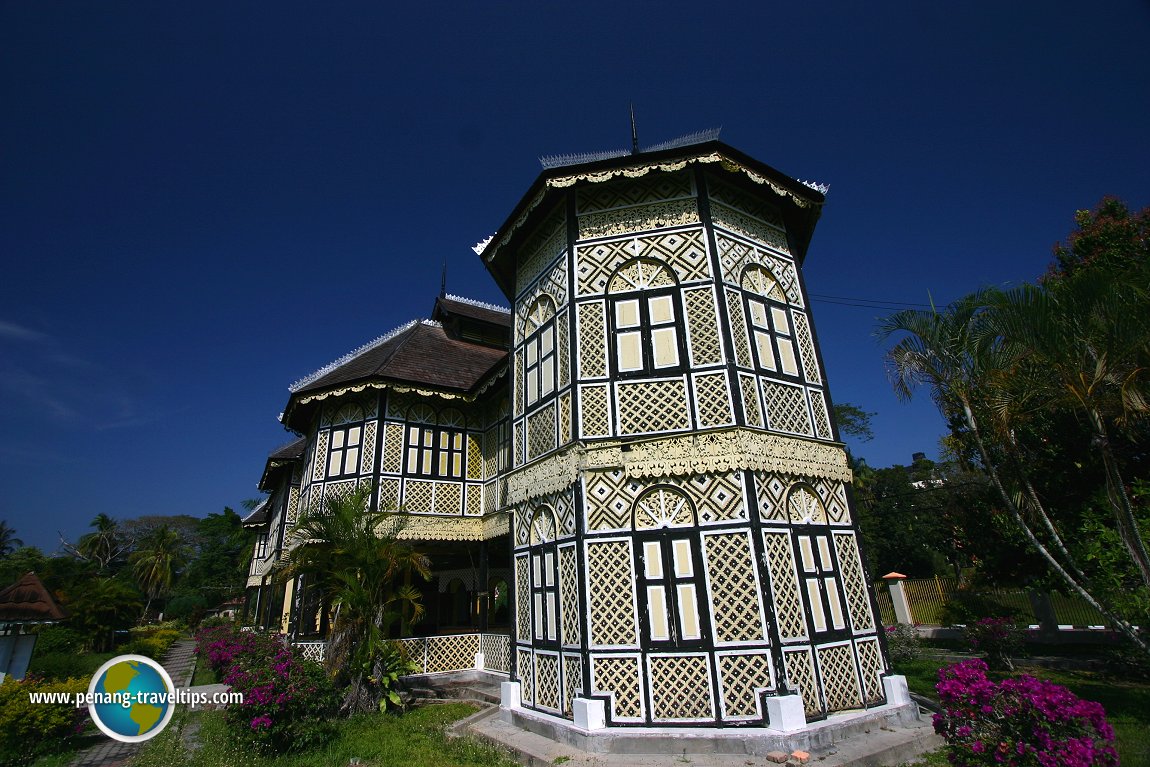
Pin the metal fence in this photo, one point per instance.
(928, 599)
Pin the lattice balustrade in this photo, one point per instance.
(592, 340)
(653, 406)
(712, 400)
(368, 449)
(595, 415)
(801, 674)
(519, 384)
(474, 507)
(547, 681)
(313, 651)
(854, 583)
(735, 603)
(448, 497)
(784, 585)
(610, 587)
(541, 432)
(822, 420)
(738, 324)
(526, 672)
(806, 347)
(839, 677)
(496, 649)
(418, 496)
(522, 597)
(517, 444)
(703, 326)
(293, 506)
(572, 681)
(562, 329)
(569, 594)
(752, 407)
(392, 449)
(741, 677)
(564, 418)
(451, 653)
(786, 408)
(870, 663)
(474, 457)
(388, 494)
(319, 464)
(618, 676)
(680, 687)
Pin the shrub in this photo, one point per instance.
(966, 607)
(902, 643)
(152, 641)
(288, 701)
(1022, 721)
(996, 639)
(53, 639)
(29, 730)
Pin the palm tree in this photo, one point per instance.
(960, 356)
(103, 546)
(156, 563)
(364, 572)
(1084, 345)
(100, 606)
(8, 540)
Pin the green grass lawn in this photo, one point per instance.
(413, 739)
(204, 674)
(1127, 703)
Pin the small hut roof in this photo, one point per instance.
(28, 601)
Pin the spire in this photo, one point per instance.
(634, 132)
(443, 280)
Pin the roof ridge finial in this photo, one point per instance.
(634, 132)
(443, 279)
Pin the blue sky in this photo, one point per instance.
(201, 203)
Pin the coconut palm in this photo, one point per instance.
(959, 353)
(363, 572)
(1084, 345)
(103, 546)
(8, 540)
(156, 562)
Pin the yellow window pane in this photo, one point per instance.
(627, 314)
(333, 464)
(630, 352)
(549, 568)
(444, 439)
(758, 314)
(352, 462)
(837, 619)
(766, 352)
(532, 387)
(539, 616)
(532, 351)
(807, 554)
(818, 615)
(457, 465)
(652, 560)
(688, 612)
(657, 606)
(665, 347)
(787, 357)
(337, 439)
(547, 376)
(353, 435)
(428, 438)
(552, 624)
(779, 318)
(683, 565)
(443, 464)
(824, 554)
(412, 460)
(662, 309)
(547, 340)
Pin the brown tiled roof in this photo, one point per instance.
(27, 600)
(258, 517)
(421, 353)
(289, 452)
(473, 309)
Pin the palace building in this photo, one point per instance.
(629, 482)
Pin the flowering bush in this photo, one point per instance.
(29, 730)
(902, 643)
(288, 701)
(995, 639)
(1023, 721)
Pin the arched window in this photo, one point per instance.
(434, 450)
(645, 319)
(770, 325)
(818, 567)
(669, 570)
(539, 350)
(544, 577)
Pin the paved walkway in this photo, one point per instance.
(180, 663)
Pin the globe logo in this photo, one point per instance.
(132, 698)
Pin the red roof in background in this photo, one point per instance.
(27, 600)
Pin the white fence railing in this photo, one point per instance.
(440, 654)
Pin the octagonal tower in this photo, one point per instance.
(684, 543)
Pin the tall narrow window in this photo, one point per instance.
(819, 577)
(544, 577)
(770, 322)
(669, 577)
(645, 319)
(539, 351)
(343, 455)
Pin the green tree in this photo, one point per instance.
(100, 607)
(104, 546)
(157, 561)
(8, 540)
(363, 571)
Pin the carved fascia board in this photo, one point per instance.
(400, 388)
(418, 527)
(711, 453)
(642, 170)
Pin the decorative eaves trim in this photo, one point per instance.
(352, 355)
(711, 453)
(480, 304)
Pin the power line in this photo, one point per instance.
(866, 303)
